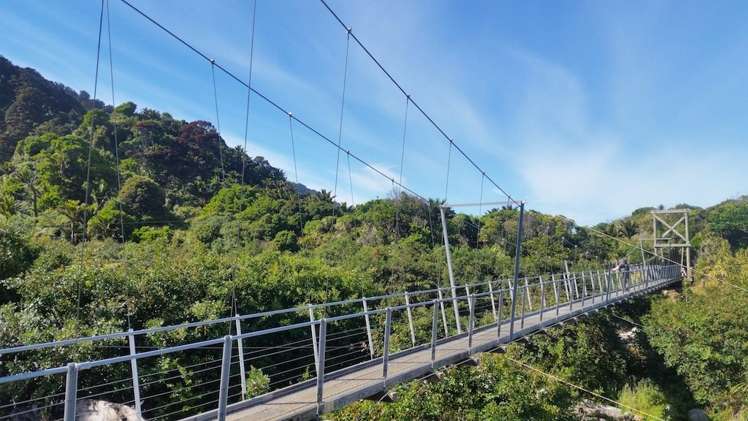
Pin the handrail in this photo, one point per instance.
(202, 323)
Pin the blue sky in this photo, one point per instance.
(587, 109)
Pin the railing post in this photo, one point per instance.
(434, 322)
(511, 288)
(522, 316)
(449, 268)
(570, 293)
(592, 284)
(567, 277)
(321, 365)
(576, 287)
(223, 391)
(71, 392)
(368, 327)
(493, 302)
(315, 350)
(386, 350)
(609, 284)
(498, 313)
(409, 312)
(240, 345)
(467, 293)
(555, 293)
(584, 289)
(542, 299)
(528, 295)
(618, 278)
(444, 313)
(517, 255)
(134, 370)
(471, 323)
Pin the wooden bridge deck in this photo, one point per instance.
(365, 379)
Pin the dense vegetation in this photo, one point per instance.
(177, 226)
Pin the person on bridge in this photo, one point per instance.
(623, 267)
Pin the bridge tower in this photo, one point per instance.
(670, 231)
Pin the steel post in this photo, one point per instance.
(434, 322)
(315, 350)
(542, 299)
(240, 345)
(134, 370)
(444, 313)
(368, 327)
(498, 313)
(493, 302)
(584, 289)
(71, 392)
(471, 323)
(409, 312)
(321, 365)
(223, 391)
(522, 316)
(517, 255)
(528, 295)
(449, 269)
(386, 348)
(555, 293)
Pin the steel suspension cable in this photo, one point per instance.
(270, 101)
(350, 175)
(114, 124)
(402, 163)
(249, 87)
(568, 383)
(218, 120)
(449, 162)
(415, 104)
(93, 125)
(295, 172)
(342, 109)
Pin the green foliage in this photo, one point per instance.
(494, 390)
(257, 382)
(647, 399)
(704, 333)
(588, 353)
(143, 197)
(730, 221)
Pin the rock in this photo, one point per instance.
(593, 410)
(95, 410)
(697, 414)
(628, 335)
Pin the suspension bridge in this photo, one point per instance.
(305, 361)
(355, 348)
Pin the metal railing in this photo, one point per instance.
(310, 344)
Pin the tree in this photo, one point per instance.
(142, 197)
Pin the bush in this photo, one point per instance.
(647, 398)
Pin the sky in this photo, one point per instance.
(589, 109)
